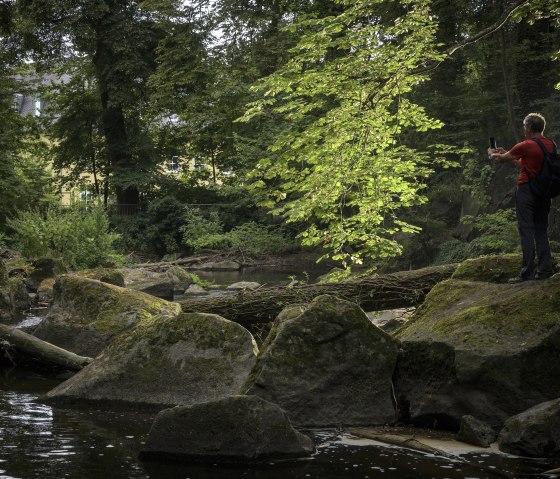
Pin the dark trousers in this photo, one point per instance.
(532, 220)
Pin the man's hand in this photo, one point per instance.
(496, 151)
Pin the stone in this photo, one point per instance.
(244, 285)
(180, 277)
(105, 275)
(534, 432)
(44, 268)
(326, 364)
(218, 266)
(236, 429)
(390, 320)
(485, 349)
(87, 314)
(195, 290)
(45, 292)
(167, 360)
(489, 269)
(476, 432)
(159, 285)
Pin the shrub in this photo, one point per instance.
(79, 235)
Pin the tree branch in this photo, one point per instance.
(491, 29)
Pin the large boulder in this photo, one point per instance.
(87, 314)
(167, 360)
(486, 349)
(225, 265)
(326, 364)
(533, 433)
(234, 429)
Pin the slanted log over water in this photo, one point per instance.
(374, 293)
(19, 348)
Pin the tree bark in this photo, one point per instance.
(19, 348)
(374, 293)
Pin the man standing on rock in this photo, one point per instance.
(532, 210)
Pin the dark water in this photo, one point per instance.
(38, 441)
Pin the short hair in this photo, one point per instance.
(534, 122)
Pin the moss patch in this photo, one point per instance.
(486, 315)
(493, 269)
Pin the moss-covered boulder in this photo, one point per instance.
(533, 433)
(326, 364)
(87, 314)
(486, 349)
(234, 429)
(490, 269)
(167, 360)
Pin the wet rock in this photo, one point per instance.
(326, 364)
(534, 433)
(218, 266)
(195, 290)
(485, 349)
(244, 285)
(167, 360)
(234, 429)
(476, 432)
(87, 314)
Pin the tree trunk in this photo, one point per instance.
(374, 293)
(19, 348)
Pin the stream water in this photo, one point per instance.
(38, 441)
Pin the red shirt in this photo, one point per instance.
(531, 157)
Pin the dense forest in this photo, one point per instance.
(355, 128)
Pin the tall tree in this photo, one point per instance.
(118, 39)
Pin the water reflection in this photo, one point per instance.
(40, 442)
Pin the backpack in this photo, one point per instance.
(547, 183)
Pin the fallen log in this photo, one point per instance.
(21, 349)
(373, 293)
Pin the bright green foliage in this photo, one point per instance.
(78, 235)
(341, 167)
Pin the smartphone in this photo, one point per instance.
(493, 143)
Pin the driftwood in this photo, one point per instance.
(19, 348)
(374, 293)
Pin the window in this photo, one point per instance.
(37, 109)
(173, 165)
(86, 196)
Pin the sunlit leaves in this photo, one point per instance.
(340, 167)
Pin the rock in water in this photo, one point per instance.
(476, 432)
(326, 364)
(481, 348)
(533, 433)
(234, 429)
(165, 361)
(87, 314)
(244, 285)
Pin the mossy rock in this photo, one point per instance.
(326, 364)
(492, 269)
(87, 314)
(236, 429)
(484, 349)
(167, 360)
(160, 285)
(106, 275)
(44, 268)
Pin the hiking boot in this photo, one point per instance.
(517, 279)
